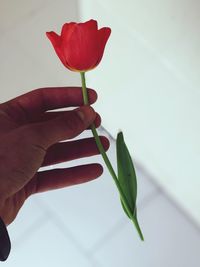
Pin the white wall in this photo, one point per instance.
(27, 59)
(148, 85)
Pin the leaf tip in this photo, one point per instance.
(120, 134)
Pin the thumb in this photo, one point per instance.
(63, 127)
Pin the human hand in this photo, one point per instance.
(30, 138)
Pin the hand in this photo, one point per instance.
(30, 138)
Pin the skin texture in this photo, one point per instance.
(30, 138)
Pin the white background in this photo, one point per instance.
(148, 86)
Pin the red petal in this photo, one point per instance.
(67, 30)
(103, 35)
(54, 38)
(91, 24)
(80, 46)
(56, 42)
(81, 49)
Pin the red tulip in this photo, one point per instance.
(80, 46)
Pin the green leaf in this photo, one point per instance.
(128, 181)
(124, 208)
(126, 173)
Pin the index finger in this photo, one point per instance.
(44, 99)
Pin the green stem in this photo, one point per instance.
(107, 161)
(135, 221)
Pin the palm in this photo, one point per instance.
(25, 157)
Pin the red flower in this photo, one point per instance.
(80, 46)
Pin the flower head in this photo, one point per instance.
(80, 46)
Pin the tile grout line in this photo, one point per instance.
(166, 195)
(30, 231)
(175, 204)
(58, 223)
(123, 221)
(181, 211)
(143, 204)
(109, 235)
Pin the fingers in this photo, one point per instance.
(59, 178)
(66, 126)
(51, 115)
(67, 151)
(25, 107)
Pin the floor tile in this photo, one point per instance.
(170, 240)
(91, 210)
(28, 217)
(47, 247)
